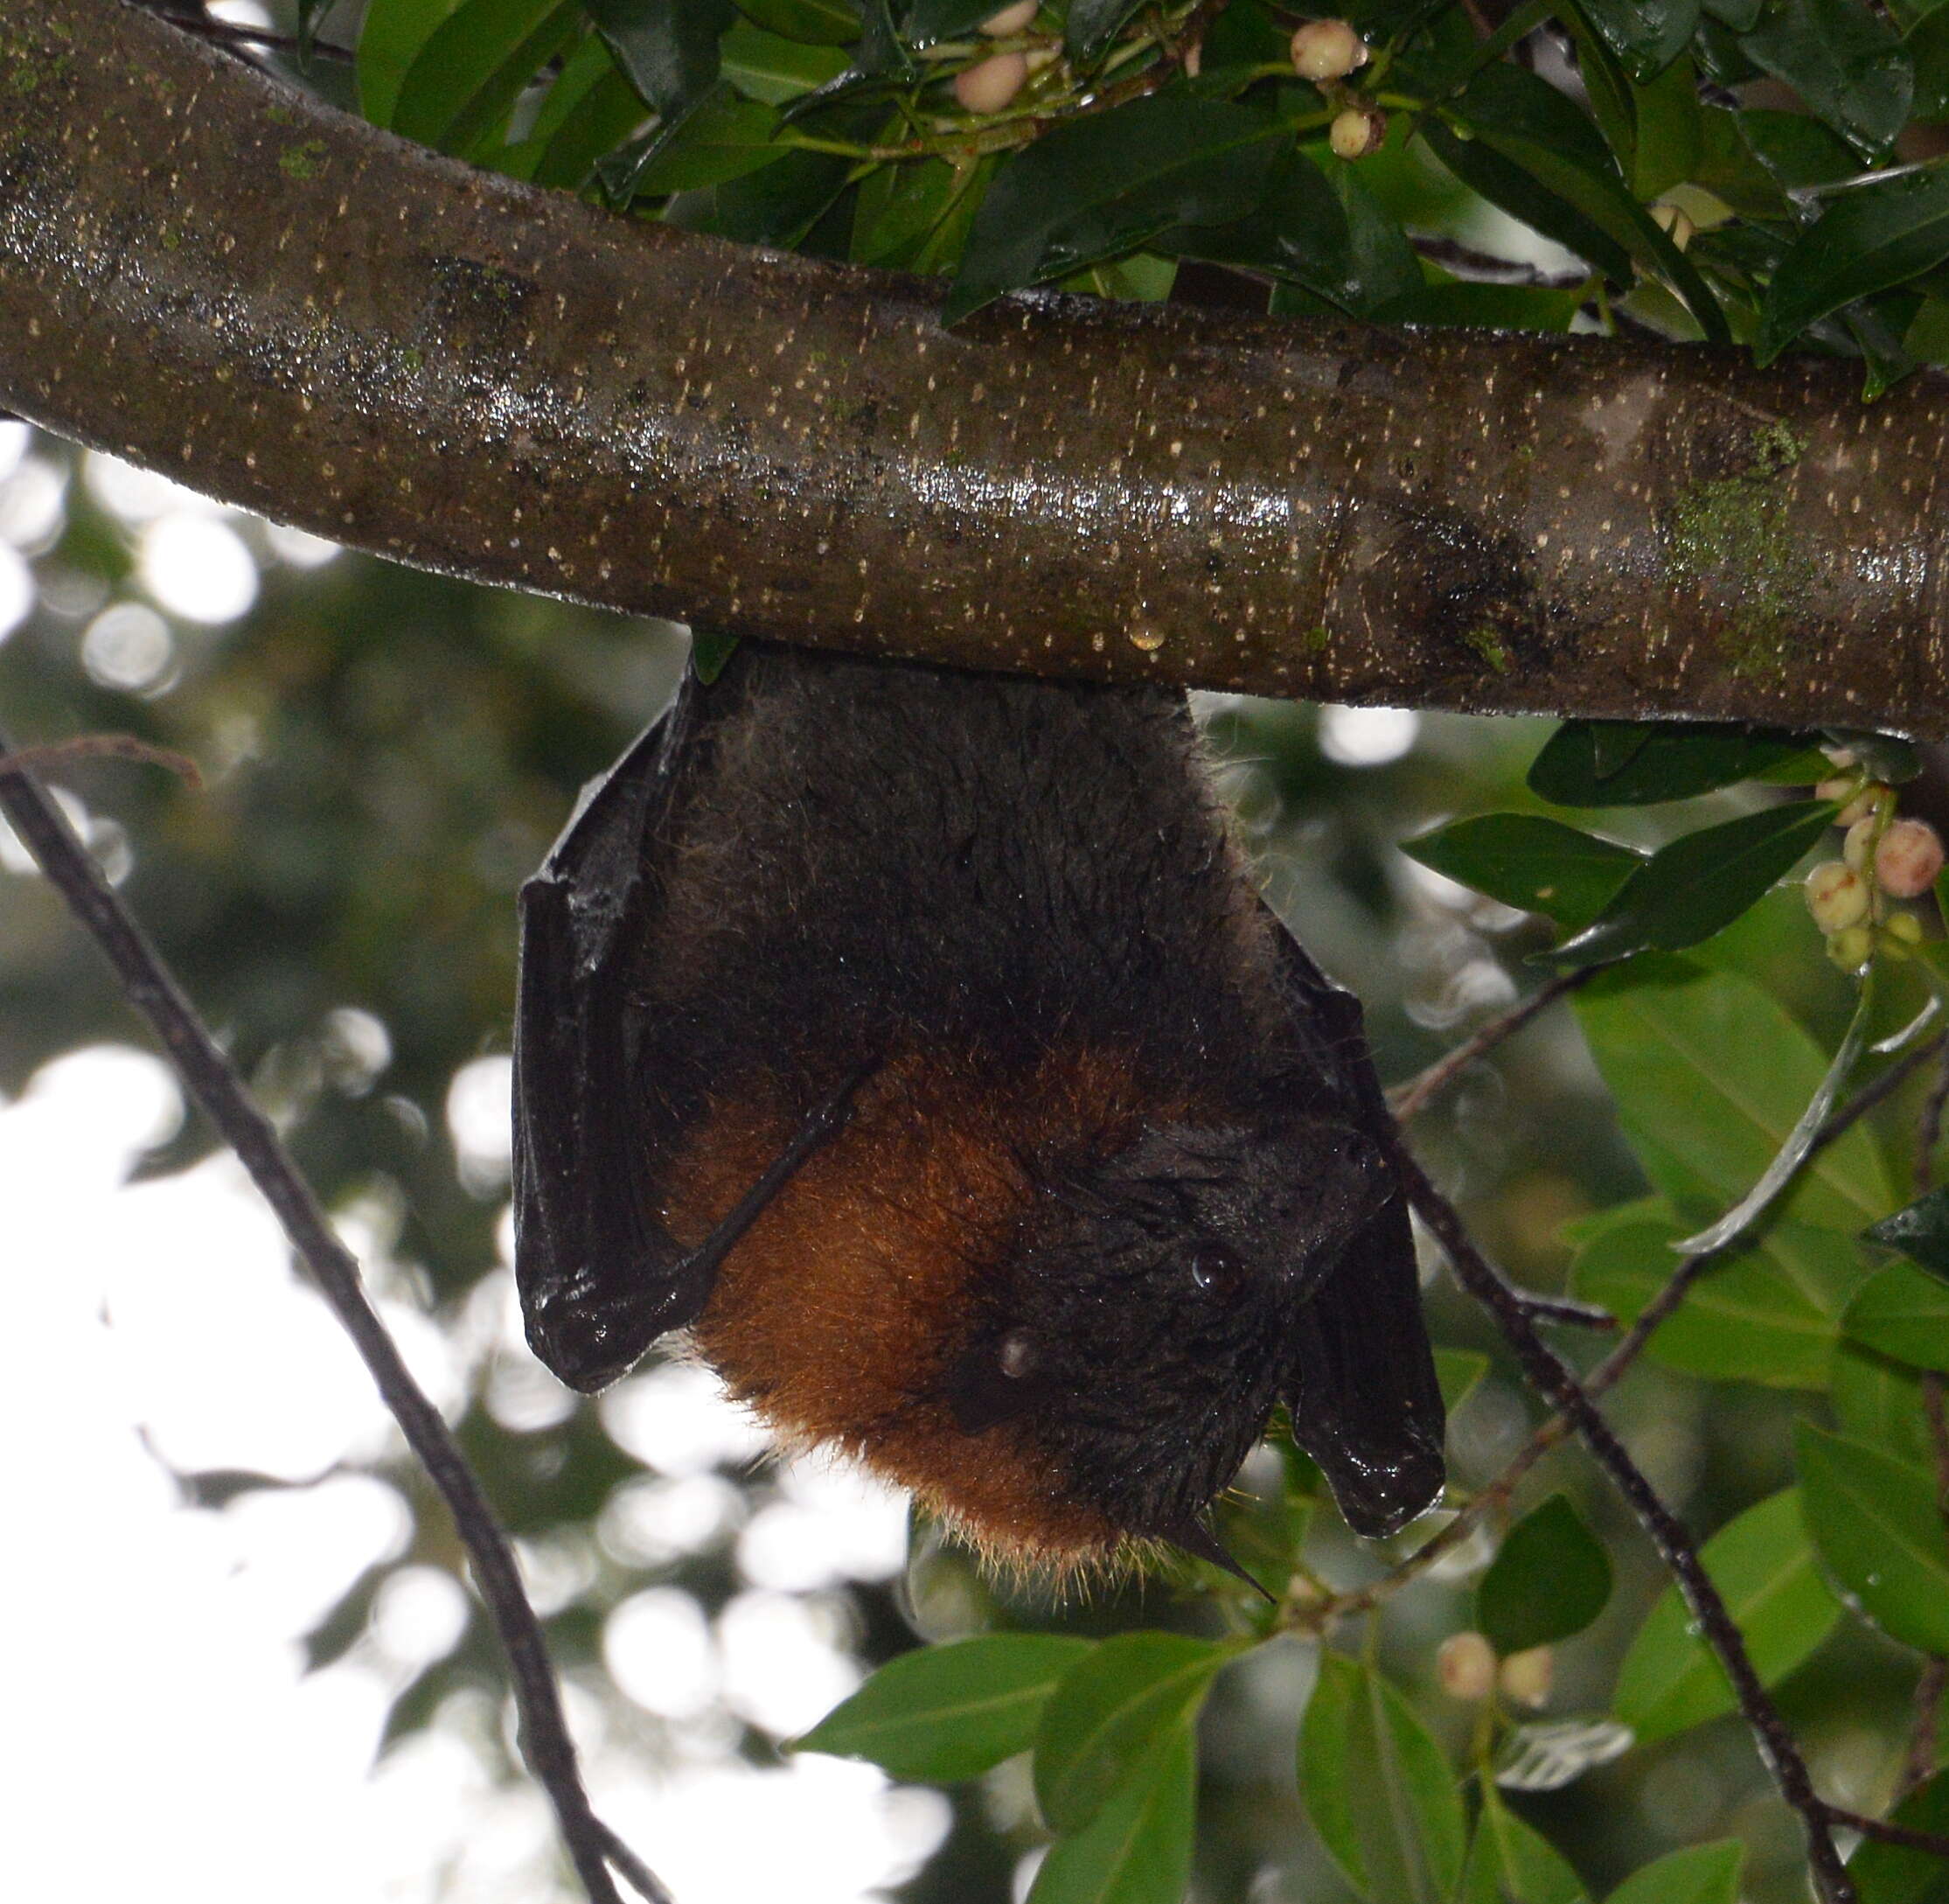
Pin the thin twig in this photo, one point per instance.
(46, 754)
(1928, 1127)
(1406, 1100)
(149, 987)
(1566, 1310)
(1555, 1380)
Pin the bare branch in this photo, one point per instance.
(46, 754)
(522, 389)
(1555, 1380)
(212, 1081)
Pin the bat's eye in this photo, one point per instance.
(1217, 1271)
(1016, 1354)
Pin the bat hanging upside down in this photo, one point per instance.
(916, 1039)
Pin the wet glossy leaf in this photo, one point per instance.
(905, 213)
(1550, 1578)
(1318, 228)
(1866, 239)
(1640, 764)
(1711, 1075)
(1920, 1232)
(817, 23)
(1094, 187)
(1927, 44)
(472, 66)
(1510, 1863)
(769, 68)
(590, 111)
(1699, 1874)
(1548, 1754)
(1646, 35)
(949, 1711)
(1888, 1874)
(1137, 1850)
(1671, 130)
(390, 38)
(1111, 1711)
(1764, 1564)
(720, 137)
(1486, 307)
(1904, 1314)
(1360, 1737)
(1527, 122)
(1769, 1313)
(775, 205)
(1091, 25)
(668, 47)
(1878, 1527)
(1527, 860)
(1699, 884)
(1843, 60)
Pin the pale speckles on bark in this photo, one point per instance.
(459, 372)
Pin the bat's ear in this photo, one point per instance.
(1362, 1391)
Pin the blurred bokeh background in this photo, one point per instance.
(239, 1616)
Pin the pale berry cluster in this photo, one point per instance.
(1882, 859)
(1468, 1668)
(990, 84)
(1326, 51)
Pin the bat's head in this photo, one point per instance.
(1066, 1332)
(1149, 1309)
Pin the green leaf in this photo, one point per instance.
(590, 108)
(1646, 35)
(1879, 1528)
(1671, 130)
(1550, 1578)
(767, 66)
(390, 38)
(1869, 238)
(1764, 1565)
(774, 205)
(709, 650)
(1095, 187)
(1903, 1314)
(1379, 1790)
(1843, 60)
(1317, 226)
(1509, 1863)
(466, 76)
(1109, 1711)
(1527, 122)
(817, 23)
(1138, 1849)
(1638, 763)
(1927, 45)
(720, 137)
(1769, 1313)
(1711, 1075)
(1880, 1401)
(949, 1711)
(1091, 25)
(1798, 151)
(668, 47)
(1527, 860)
(1699, 884)
(1699, 1874)
(1457, 1371)
(1888, 1874)
(1920, 1232)
(1485, 307)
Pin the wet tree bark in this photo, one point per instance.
(208, 273)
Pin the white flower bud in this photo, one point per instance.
(1526, 1677)
(1837, 895)
(1015, 19)
(1465, 1666)
(1356, 132)
(1908, 859)
(1327, 49)
(990, 85)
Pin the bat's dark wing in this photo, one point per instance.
(1363, 1396)
(599, 1280)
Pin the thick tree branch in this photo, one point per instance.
(151, 989)
(206, 271)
